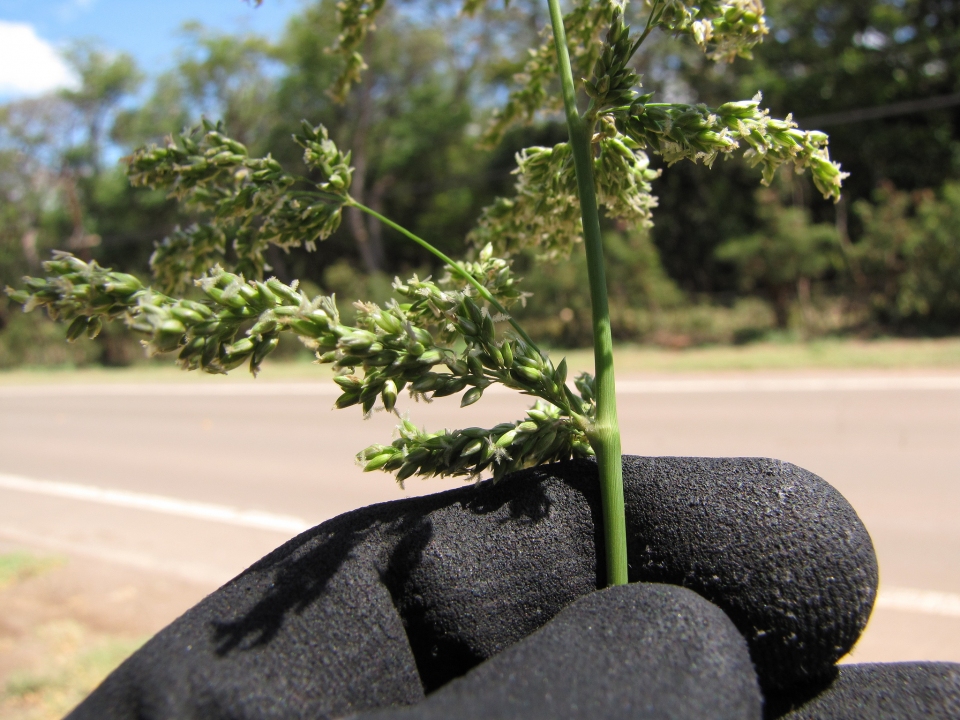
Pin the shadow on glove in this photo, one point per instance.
(634, 652)
(378, 606)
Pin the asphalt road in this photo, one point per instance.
(198, 480)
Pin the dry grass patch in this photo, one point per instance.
(53, 648)
(829, 354)
(75, 660)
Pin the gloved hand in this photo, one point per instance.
(381, 605)
(633, 651)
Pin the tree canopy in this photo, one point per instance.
(882, 76)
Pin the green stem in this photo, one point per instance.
(453, 264)
(605, 434)
(653, 21)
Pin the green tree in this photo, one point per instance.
(787, 253)
(908, 258)
(638, 286)
(823, 58)
(217, 75)
(58, 149)
(830, 58)
(105, 80)
(406, 123)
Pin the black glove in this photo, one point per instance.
(381, 605)
(635, 651)
(652, 651)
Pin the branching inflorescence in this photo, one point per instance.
(544, 215)
(251, 201)
(408, 344)
(455, 335)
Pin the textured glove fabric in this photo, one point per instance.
(310, 631)
(877, 691)
(634, 652)
(778, 548)
(381, 605)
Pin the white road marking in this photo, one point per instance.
(792, 384)
(257, 519)
(177, 389)
(927, 602)
(624, 387)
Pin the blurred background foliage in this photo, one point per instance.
(726, 262)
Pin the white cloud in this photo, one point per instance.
(29, 65)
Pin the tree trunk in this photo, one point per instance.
(780, 297)
(278, 264)
(846, 247)
(805, 301)
(369, 243)
(79, 241)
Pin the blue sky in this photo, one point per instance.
(31, 32)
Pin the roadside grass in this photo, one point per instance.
(57, 662)
(76, 661)
(826, 354)
(788, 355)
(15, 567)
